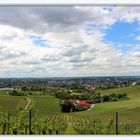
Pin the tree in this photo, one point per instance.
(17, 93)
(24, 89)
(105, 98)
(68, 107)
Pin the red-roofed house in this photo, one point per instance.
(80, 103)
(83, 103)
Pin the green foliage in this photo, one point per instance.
(51, 124)
(55, 123)
(62, 95)
(76, 87)
(93, 127)
(3, 120)
(68, 107)
(114, 97)
(105, 98)
(21, 122)
(24, 89)
(17, 93)
(3, 115)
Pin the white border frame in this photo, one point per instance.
(70, 2)
(63, 3)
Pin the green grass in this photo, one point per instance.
(44, 104)
(133, 102)
(11, 103)
(128, 109)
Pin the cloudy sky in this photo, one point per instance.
(55, 41)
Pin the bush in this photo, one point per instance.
(105, 98)
(30, 93)
(114, 99)
(113, 95)
(17, 93)
(97, 100)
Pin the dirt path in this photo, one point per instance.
(27, 105)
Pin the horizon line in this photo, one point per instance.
(69, 77)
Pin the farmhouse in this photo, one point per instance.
(80, 103)
(84, 103)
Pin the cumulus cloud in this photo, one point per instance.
(74, 37)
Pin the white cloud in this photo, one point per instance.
(137, 37)
(73, 51)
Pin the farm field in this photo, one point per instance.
(45, 104)
(42, 103)
(48, 106)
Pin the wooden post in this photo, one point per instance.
(8, 124)
(116, 123)
(30, 122)
(4, 128)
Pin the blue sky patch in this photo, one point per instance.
(38, 41)
(123, 34)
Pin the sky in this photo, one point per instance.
(69, 41)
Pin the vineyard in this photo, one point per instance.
(28, 122)
(45, 104)
(43, 115)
